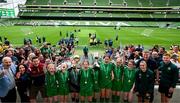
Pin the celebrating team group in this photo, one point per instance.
(103, 81)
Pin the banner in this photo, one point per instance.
(7, 12)
(3, 1)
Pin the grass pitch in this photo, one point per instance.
(127, 35)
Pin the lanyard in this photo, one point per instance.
(129, 75)
(74, 74)
(106, 68)
(86, 74)
(95, 74)
(64, 76)
(52, 80)
(118, 72)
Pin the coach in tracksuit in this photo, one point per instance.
(168, 79)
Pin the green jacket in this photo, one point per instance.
(169, 74)
(86, 79)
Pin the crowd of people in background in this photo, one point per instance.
(58, 73)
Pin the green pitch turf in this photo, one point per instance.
(127, 35)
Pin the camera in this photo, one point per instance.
(48, 43)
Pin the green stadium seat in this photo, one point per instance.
(57, 2)
(136, 15)
(26, 14)
(158, 15)
(118, 15)
(102, 2)
(159, 3)
(102, 15)
(87, 2)
(132, 3)
(145, 16)
(37, 2)
(117, 2)
(29, 2)
(173, 16)
(87, 15)
(145, 3)
(72, 2)
(174, 3)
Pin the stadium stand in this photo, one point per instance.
(37, 2)
(57, 2)
(137, 3)
(102, 2)
(117, 2)
(159, 3)
(174, 3)
(72, 2)
(132, 3)
(88, 2)
(101, 9)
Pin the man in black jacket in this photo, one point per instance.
(168, 79)
(152, 65)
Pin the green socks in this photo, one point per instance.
(77, 100)
(82, 101)
(117, 99)
(94, 100)
(107, 100)
(102, 100)
(125, 101)
(113, 98)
